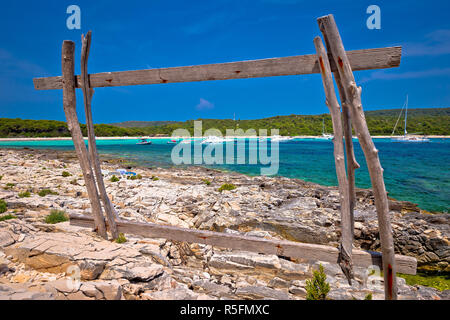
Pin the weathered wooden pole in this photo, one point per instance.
(352, 164)
(345, 250)
(353, 93)
(93, 153)
(69, 103)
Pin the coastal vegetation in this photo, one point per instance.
(435, 279)
(121, 238)
(7, 217)
(19, 128)
(227, 186)
(45, 192)
(56, 216)
(136, 177)
(429, 121)
(9, 186)
(66, 174)
(3, 206)
(433, 121)
(24, 194)
(141, 124)
(317, 288)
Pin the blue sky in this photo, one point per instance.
(130, 35)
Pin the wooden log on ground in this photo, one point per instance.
(93, 153)
(345, 250)
(306, 64)
(69, 103)
(311, 252)
(328, 27)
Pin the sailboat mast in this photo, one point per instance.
(406, 113)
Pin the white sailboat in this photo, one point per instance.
(407, 137)
(325, 136)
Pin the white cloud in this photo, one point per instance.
(383, 75)
(204, 105)
(436, 43)
(12, 66)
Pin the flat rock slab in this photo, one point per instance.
(23, 292)
(179, 293)
(140, 272)
(6, 238)
(264, 266)
(259, 292)
(55, 252)
(64, 289)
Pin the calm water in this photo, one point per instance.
(416, 172)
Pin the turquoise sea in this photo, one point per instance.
(416, 172)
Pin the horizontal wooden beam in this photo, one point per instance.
(313, 252)
(359, 59)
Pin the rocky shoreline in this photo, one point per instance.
(36, 258)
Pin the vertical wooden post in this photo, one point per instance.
(352, 164)
(69, 103)
(345, 250)
(94, 159)
(353, 93)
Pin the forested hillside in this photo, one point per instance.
(52, 128)
(140, 124)
(431, 121)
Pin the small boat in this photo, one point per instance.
(215, 139)
(415, 137)
(144, 141)
(172, 141)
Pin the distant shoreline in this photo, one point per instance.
(181, 137)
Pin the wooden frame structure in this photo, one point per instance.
(329, 62)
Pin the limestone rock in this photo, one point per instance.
(298, 291)
(210, 288)
(133, 273)
(8, 292)
(6, 238)
(179, 293)
(258, 292)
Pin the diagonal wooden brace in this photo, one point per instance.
(93, 154)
